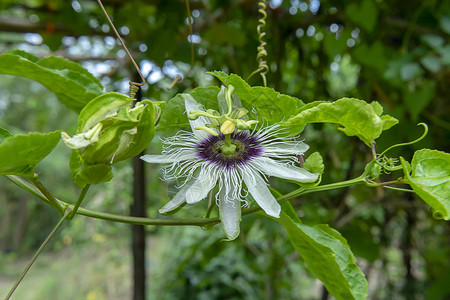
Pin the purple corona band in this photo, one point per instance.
(247, 147)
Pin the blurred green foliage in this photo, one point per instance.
(396, 52)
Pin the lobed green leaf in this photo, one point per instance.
(327, 255)
(72, 84)
(271, 106)
(20, 154)
(430, 179)
(174, 114)
(357, 117)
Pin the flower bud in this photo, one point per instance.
(109, 130)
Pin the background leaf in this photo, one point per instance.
(20, 154)
(430, 179)
(357, 117)
(327, 255)
(363, 14)
(73, 85)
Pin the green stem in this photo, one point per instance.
(228, 140)
(146, 221)
(79, 200)
(53, 202)
(398, 189)
(35, 256)
(20, 182)
(200, 221)
(213, 221)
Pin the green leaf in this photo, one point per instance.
(20, 154)
(362, 241)
(73, 85)
(416, 98)
(327, 255)
(4, 134)
(372, 56)
(223, 33)
(432, 63)
(314, 163)
(445, 23)
(334, 45)
(364, 14)
(357, 117)
(433, 40)
(271, 106)
(430, 179)
(174, 114)
(410, 70)
(73, 71)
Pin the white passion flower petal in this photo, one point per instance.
(178, 200)
(168, 158)
(205, 182)
(258, 189)
(191, 104)
(286, 147)
(282, 170)
(230, 214)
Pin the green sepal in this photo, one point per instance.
(20, 154)
(84, 174)
(313, 164)
(429, 177)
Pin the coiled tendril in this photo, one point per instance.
(263, 68)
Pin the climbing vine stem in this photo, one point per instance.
(188, 222)
(134, 86)
(263, 68)
(35, 256)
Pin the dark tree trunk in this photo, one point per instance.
(138, 209)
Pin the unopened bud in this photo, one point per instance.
(109, 130)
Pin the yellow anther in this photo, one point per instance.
(227, 127)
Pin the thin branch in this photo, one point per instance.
(35, 256)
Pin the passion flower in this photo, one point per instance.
(236, 161)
